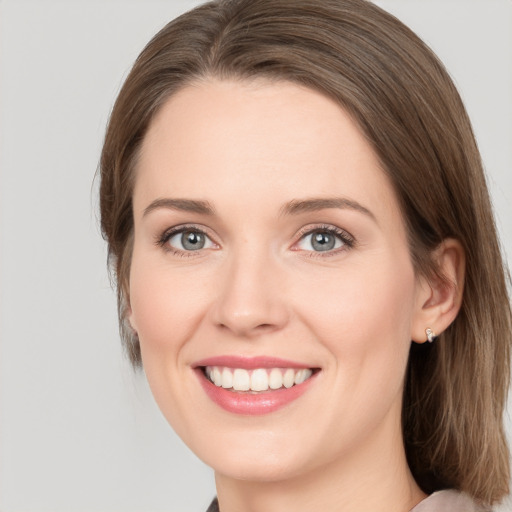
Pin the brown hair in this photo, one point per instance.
(408, 108)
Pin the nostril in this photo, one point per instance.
(249, 299)
(248, 330)
(265, 327)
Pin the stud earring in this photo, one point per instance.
(431, 335)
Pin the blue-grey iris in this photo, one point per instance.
(192, 240)
(322, 241)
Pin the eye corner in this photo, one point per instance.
(341, 241)
(199, 240)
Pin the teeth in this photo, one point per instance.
(260, 379)
(216, 376)
(227, 379)
(275, 379)
(289, 378)
(302, 375)
(241, 380)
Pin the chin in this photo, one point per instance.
(263, 457)
(265, 469)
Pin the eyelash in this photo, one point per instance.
(164, 238)
(347, 239)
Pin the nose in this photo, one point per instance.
(251, 297)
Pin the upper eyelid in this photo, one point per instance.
(348, 240)
(184, 227)
(311, 228)
(164, 236)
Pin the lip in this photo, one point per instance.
(249, 363)
(248, 403)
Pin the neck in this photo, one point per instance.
(371, 479)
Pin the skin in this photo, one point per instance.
(259, 288)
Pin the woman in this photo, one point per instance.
(294, 205)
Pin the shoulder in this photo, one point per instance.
(214, 506)
(449, 501)
(441, 501)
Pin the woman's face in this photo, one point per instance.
(269, 247)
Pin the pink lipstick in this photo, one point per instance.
(253, 385)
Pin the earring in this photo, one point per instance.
(431, 335)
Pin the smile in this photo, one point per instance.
(257, 380)
(253, 386)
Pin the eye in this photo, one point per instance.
(186, 240)
(325, 239)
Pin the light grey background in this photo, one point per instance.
(78, 431)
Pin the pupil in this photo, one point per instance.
(192, 241)
(323, 241)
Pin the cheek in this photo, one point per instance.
(362, 314)
(363, 318)
(166, 306)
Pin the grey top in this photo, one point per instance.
(441, 501)
(448, 501)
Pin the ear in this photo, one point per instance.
(439, 298)
(130, 320)
(129, 317)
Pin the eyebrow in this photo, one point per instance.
(184, 205)
(293, 207)
(298, 206)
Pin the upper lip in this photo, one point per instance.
(249, 363)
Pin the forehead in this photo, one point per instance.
(257, 140)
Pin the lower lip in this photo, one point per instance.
(253, 403)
